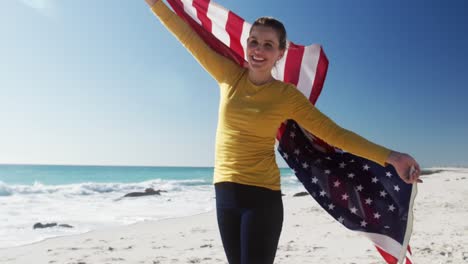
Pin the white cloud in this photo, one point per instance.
(45, 7)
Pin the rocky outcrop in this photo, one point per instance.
(301, 194)
(40, 225)
(148, 191)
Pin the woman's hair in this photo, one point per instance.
(274, 24)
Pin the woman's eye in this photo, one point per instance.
(253, 43)
(268, 46)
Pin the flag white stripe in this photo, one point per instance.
(190, 10)
(409, 222)
(389, 245)
(278, 70)
(244, 36)
(308, 69)
(218, 17)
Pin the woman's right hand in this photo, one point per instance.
(151, 2)
(406, 167)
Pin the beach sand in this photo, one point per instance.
(440, 235)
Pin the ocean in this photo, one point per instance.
(91, 197)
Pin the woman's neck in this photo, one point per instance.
(260, 78)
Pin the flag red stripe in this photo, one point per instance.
(320, 74)
(293, 63)
(280, 132)
(390, 259)
(234, 29)
(209, 38)
(177, 6)
(202, 9)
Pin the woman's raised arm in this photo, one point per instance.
(220, 67)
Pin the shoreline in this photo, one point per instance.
(309, 235)
(103, 229)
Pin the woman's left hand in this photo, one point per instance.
(406, 167)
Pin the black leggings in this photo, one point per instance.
(250, 220)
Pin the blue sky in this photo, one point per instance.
(102, 82)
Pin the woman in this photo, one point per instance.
(252, 106)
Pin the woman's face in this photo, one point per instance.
(263, 49)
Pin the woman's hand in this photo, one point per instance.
(151, 2)
(406, 167)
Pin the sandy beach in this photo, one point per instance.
(440, 235)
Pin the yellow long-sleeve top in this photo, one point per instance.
(250, 115)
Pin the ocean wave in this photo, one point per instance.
(91, 188)
(5, 190)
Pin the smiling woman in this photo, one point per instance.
(265, 46)
(252, 106)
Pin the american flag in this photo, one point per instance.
(361, 195)
(358, 193)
